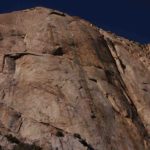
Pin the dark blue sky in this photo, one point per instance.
(128, 18)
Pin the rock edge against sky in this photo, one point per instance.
(67, 85)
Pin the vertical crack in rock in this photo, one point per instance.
(131, 109)
(1, 37)
(83, 80)
(10, 60)
(10, 63)
(113, 75)
(116, 58)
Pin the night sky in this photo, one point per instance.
(128, 18)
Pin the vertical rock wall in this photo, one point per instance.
(67, 85)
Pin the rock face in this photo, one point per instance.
(67, 85)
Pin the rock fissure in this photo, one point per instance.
(83, 142)
(57, 13)
(131, 109)
(83, 79)
(111, 76)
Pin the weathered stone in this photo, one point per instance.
(67, 85)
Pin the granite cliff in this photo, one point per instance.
(67, 85)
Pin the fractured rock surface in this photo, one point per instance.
(67, 85)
